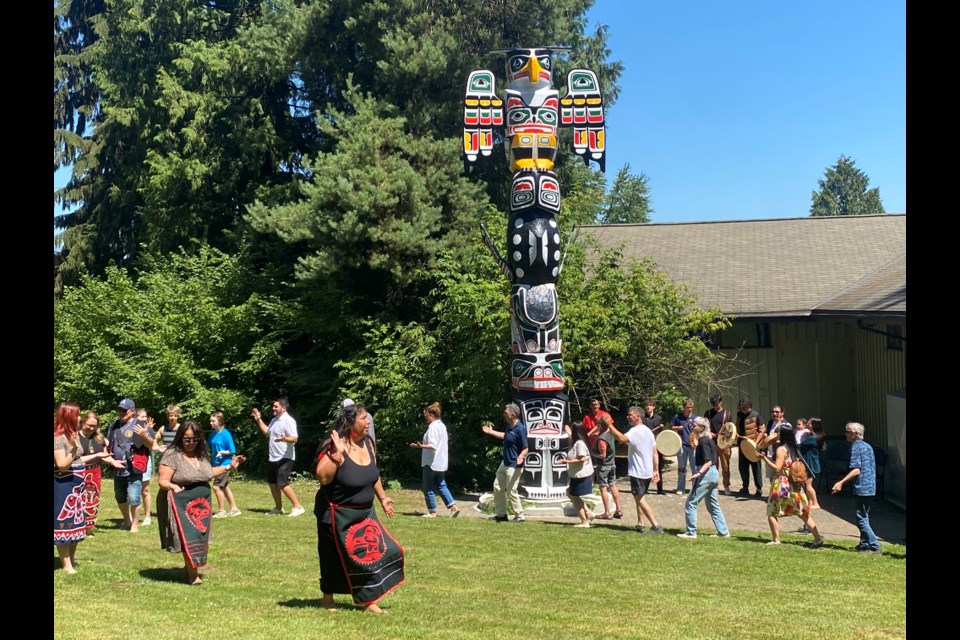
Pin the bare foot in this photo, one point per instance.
(134, 529)
(68, 568)
(373, 608)
(328, 602)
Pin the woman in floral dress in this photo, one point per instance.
(787, 498)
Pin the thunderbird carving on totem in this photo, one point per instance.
(527, 118)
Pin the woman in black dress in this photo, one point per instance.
(357, 554)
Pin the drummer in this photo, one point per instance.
(718, 416)
(683, 424)
(749, 425)
(642, 466)
(654, 422)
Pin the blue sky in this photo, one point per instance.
(734, 109)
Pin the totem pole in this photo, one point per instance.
(534, 111)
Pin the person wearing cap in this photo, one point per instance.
(372, 434)
(643, 465)
(123, 436)
(705, 479)
(282, 437)
(718, 416)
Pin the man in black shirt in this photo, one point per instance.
(749, 425)
(655, 423)
(718, 416)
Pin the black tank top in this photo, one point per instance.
(352, 485)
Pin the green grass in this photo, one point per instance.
(470, 578)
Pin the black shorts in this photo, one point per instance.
(639, 486)
(278, 472)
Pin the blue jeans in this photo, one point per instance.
(868, 538)
(684, 459)
(127, 489)
(434, 480)
(705, 487)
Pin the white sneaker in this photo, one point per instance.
(296, 511)
(219, 514)
(429, 515)
(275, 512)
(687, 536)
(146, 521)
(234, 513)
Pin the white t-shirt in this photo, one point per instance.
(285, 425)
(640, 452)
(436, 436)
(579, 469)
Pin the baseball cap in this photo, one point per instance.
(126, 404)
(348, 402)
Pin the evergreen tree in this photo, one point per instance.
(843, 192)
(628, 200)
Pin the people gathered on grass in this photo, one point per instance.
(357, 556)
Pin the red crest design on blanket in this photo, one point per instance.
(365, 543)
(73, 506)
(197, 510)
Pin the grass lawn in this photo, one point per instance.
(470, 578)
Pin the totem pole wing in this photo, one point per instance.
(482, 113)
(582, 109)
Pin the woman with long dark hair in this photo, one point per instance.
(357, 554)
(580, 471)
(183, 504)
(786, 497)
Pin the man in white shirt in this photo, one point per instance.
(282, 439)
(643, 465)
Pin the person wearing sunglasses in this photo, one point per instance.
(183, 504)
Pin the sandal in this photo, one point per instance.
(618, 515)
(604, 516)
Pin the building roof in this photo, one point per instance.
(780, 267)
(883, 292)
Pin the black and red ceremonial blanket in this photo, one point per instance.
(191, 507)
(91, 487)
(69, 519)
(372, 560)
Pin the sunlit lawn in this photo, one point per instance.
(470, 578)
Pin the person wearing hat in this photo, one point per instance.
(123, 436)
(718, 416)
(372, 434)
(705, 479)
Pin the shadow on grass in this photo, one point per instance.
(302, 603)
(164, 574)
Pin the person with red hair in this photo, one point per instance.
(69, 518)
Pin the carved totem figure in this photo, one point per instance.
(533, 262)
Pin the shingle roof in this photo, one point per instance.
(883, 292)
(778, 267)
